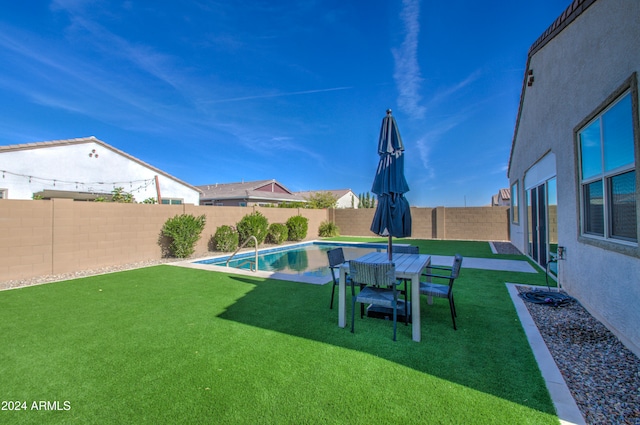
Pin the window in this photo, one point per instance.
(3, 193)
(607, 173)
(515, 219)
(170, 201)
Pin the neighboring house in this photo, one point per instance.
(84, 169)
(502, 198)
(574, 157)
(345, 198)
(245, 194)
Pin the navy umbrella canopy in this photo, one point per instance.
(393, 214)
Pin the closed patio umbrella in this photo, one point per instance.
(393, 215)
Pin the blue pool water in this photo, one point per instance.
(307, 259)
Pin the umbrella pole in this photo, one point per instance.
(390, 250)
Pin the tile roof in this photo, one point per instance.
(247, 190)
(90, 139)
(337, 193)
(570, 14)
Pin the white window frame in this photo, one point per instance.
(172, 201)
(515, 204)
(607, 240)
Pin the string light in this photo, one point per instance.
(140, 185)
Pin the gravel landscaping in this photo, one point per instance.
(19, 283)
(601, 373)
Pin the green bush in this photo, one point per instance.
(328, 229)
(277, 233)
(254, 224)
(298, 226)
(184, 231)
(225, 239)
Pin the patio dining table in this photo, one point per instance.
(408, 266)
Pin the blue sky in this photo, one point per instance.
(225, 91)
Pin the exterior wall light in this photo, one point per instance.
(530, 78)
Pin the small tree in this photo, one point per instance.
(367, 200)
(254, 224)
(298, 226)
(119, 195)
(321, 200)
(184, 231)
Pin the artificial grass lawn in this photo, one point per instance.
(171, 345)
(438, 247)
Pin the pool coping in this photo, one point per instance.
(197, 264)
(469, 262)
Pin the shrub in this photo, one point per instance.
(254, 224)
(292, 204)
(298, 226)
(184, 231)
(328, 229)
(225, 239)
(277, 233)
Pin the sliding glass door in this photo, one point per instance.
(542, 221)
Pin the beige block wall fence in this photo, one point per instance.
(61, 236)
(468, 223)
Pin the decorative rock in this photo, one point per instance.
(601, 373)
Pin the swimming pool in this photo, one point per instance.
(305, 262)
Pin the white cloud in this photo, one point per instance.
(407, 70)
(265, 96)
(446, 93)
(424, 151)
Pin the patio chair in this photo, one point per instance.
(336, 259)
(379, 287)
(405, 249)
(446, 290)
(406, 290)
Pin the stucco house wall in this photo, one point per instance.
(581, 68)
(85, 165)
(348, 200)
(345, 198)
